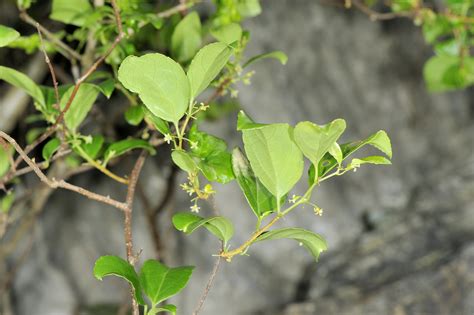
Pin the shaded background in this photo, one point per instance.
(400, 237)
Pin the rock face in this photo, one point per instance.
(400, 237)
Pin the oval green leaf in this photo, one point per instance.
(7, 35)
(186, 38)
(80, 106)
(221, 227)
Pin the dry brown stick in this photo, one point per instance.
(135, 174)
(53, 183)
(70, 53)
(208, 287)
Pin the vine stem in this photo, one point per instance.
(208, 287)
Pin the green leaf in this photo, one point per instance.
(378, 160)
(5, 154)
(245, 122)
(134, 115)
(259, 198)
(184, 161)
(166, 308)
(6, 202)
(124, 146)
(50, 148)
(228, 34)
(72, 12)
(213, 159)
(161, 125)
(24, 4)
(445, 73)
(186, 38)
(219, 226)
(107, 87)
(249, 8)
(80, 106)
(160, 82)
(314, 140)
(23, 82)
(314, 243)
(92, 148)
(116, 266)
(274, 156)
(279, 55)
(379, 140)
(160, 282)
(7, 35)
(206, 65)
(336, 152)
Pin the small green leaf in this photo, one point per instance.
(186, 38)
(379, 140)
(214, 160)
(166, 308)
(249, 8)
(184, 161)
(107, 87)
(80, 106)
(206, 65)
(315, 141)
(274, 156)
(50, 148)
(5, 154)
(23, 82)
(6, 202)
(245, 122)
(92, 148)
(116, 266)
(7, 35)
(279, 55)
(134, 115)
(72, 12)
(445, 73)
(228, 34)
(159, 124)
(378, 160)
(160, 82)
(160, 282)
(259, 198)
(313, 242)
(336, 152)
(221, 227)
(123, 146)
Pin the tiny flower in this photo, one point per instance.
(194, 145)
(195, 208)
(318, 211)
(294, 198)
(168, 138)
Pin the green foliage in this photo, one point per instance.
(123, 146)
(221, 227)
(313, 242)
(80, 105)
(228, 34)
(278, 55)
(184, 161)
(134, 115)
(71, 11)
(160, 82)
(186, 38)
(50, 148)
(7, 35)
(23, 82)
(93, 145)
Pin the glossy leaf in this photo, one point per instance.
(378, 160)
(206, 65)
(160, 82)
(116, 266)
(124, 146)
(134, 115)
(159, 124)
(336, 152)
(160, 282)
(274, 156)
(23, 82)
(72, 12)
(245, 122)
(184, 161)
(165, 308)
(259, 198)
(313, 242)
(107, 87)
(187, 222)
(227, 34)
(186, 38)
(315, 141)
(50, 148)
(278, 55)
(213, 159)
(80, 106)
(93, 147)
(7, 35)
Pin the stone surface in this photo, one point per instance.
(400, 237)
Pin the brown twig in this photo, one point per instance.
(128, 217)
(208, 287)
(67, 51)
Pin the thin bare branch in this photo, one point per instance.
(208, 287)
